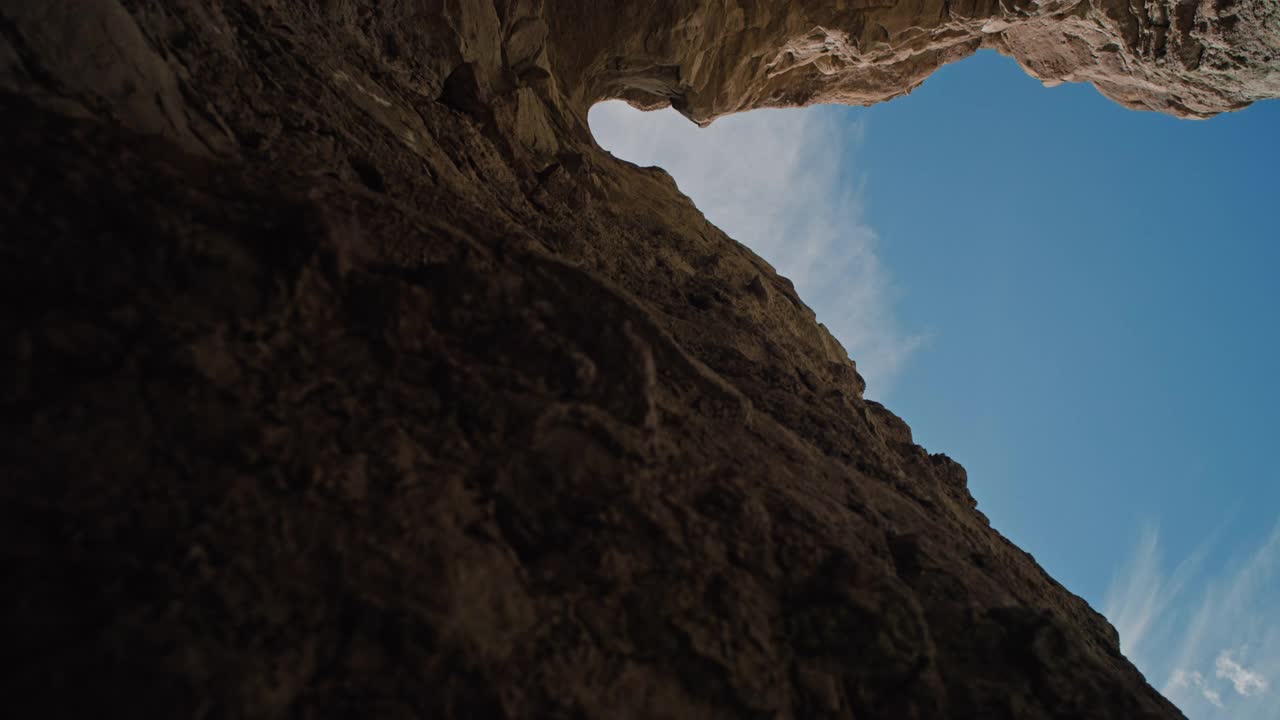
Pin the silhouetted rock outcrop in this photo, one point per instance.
(349, 377)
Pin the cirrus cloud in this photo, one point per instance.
(1213, 632)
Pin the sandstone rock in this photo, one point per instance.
(350, 377)
(708, 59)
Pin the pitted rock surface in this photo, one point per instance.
(349, 377)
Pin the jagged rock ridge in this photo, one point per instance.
(350, 377)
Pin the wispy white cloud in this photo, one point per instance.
(1246, 682)
(1213, 696)
(1182, 679)
(1141, 595)
(778, 181)
(1213, 632)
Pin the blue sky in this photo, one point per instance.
(1077, 301)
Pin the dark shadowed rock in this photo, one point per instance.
(349, 377)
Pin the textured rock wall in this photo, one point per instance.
(712, 58)
(349, 377)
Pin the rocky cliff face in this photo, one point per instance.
(350, 377)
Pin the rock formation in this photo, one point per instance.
(349, 377)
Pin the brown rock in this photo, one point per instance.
(349, 377)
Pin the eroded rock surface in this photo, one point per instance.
(1191, 59)
(348, 377)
